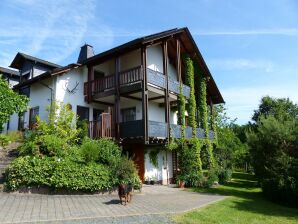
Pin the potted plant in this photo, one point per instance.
(147, 180)
(181, 181)
(153, 180)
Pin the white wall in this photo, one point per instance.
(155, 61)
(69, 80)
(164, 170)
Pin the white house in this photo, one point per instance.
(128, 93)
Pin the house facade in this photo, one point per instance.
(128, 93)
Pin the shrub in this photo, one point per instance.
(109, 152)
(126, 172)
(224, 175)
(12, 136)
(52, 145)
(57, 174)
(49, 145)
(90, 150)
(4, 140)
(103, 151)
(212, 177)
(273, 147)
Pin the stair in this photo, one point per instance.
(7, 155)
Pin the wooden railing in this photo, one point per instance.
(101, 128)
(134, 75)
(131, 75)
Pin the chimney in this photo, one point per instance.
(86, 52)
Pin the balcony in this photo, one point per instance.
(133, 76)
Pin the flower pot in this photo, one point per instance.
(181, 184)
(152, 182)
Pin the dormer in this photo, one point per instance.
(30, 67)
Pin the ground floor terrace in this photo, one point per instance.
(153, 205)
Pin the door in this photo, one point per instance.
(136, 153)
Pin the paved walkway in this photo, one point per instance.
(153, 205)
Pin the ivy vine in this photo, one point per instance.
(189, 67)
(181, 110)
(153, 157)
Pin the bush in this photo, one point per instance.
(4, 140)
(52, 145)
(12, 136)
(90, 150)
(224, 175)
(273, 147)
(126, 173)
(212, 177)
(103, 151)
(57, 174)
(49, 145)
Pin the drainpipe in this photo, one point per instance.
(51, 100)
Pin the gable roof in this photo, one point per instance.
(21, 57)
(7, 71)
(188, 44)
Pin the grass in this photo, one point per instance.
(245, 204)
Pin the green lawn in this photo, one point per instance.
(244, 204)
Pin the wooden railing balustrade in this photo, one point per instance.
(101, 128)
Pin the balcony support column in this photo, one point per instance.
(144, 93)
(165, 71)
(117, 98)
(178, 61)
(89, 89)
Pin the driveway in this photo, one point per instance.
(153, 205)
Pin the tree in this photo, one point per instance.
(10, 102)
(274, 150)
(279, 108)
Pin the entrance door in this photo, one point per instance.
(136, 153)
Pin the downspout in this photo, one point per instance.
(51, 100)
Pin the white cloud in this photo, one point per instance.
(241, 102)
(232, 64)
(52, 30)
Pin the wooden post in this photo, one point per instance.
(117, 98)
(144, 93)
(178, 61)
(89, 90)
(165, 71)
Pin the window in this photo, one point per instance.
(83, 113)
(128, 114)
(33, 113)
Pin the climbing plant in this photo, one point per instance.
(181, 111)
(191, 108)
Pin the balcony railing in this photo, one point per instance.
(101, 128)
(132, 76)
(135, 129)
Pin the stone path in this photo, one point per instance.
(153, 205)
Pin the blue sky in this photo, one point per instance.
(251, 47)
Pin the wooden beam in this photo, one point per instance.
(104, 103)
(178, 57)
(117, 98)
(156, 98)
(165, 71)
(89, 91)
(144, 93)
(131, 97)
